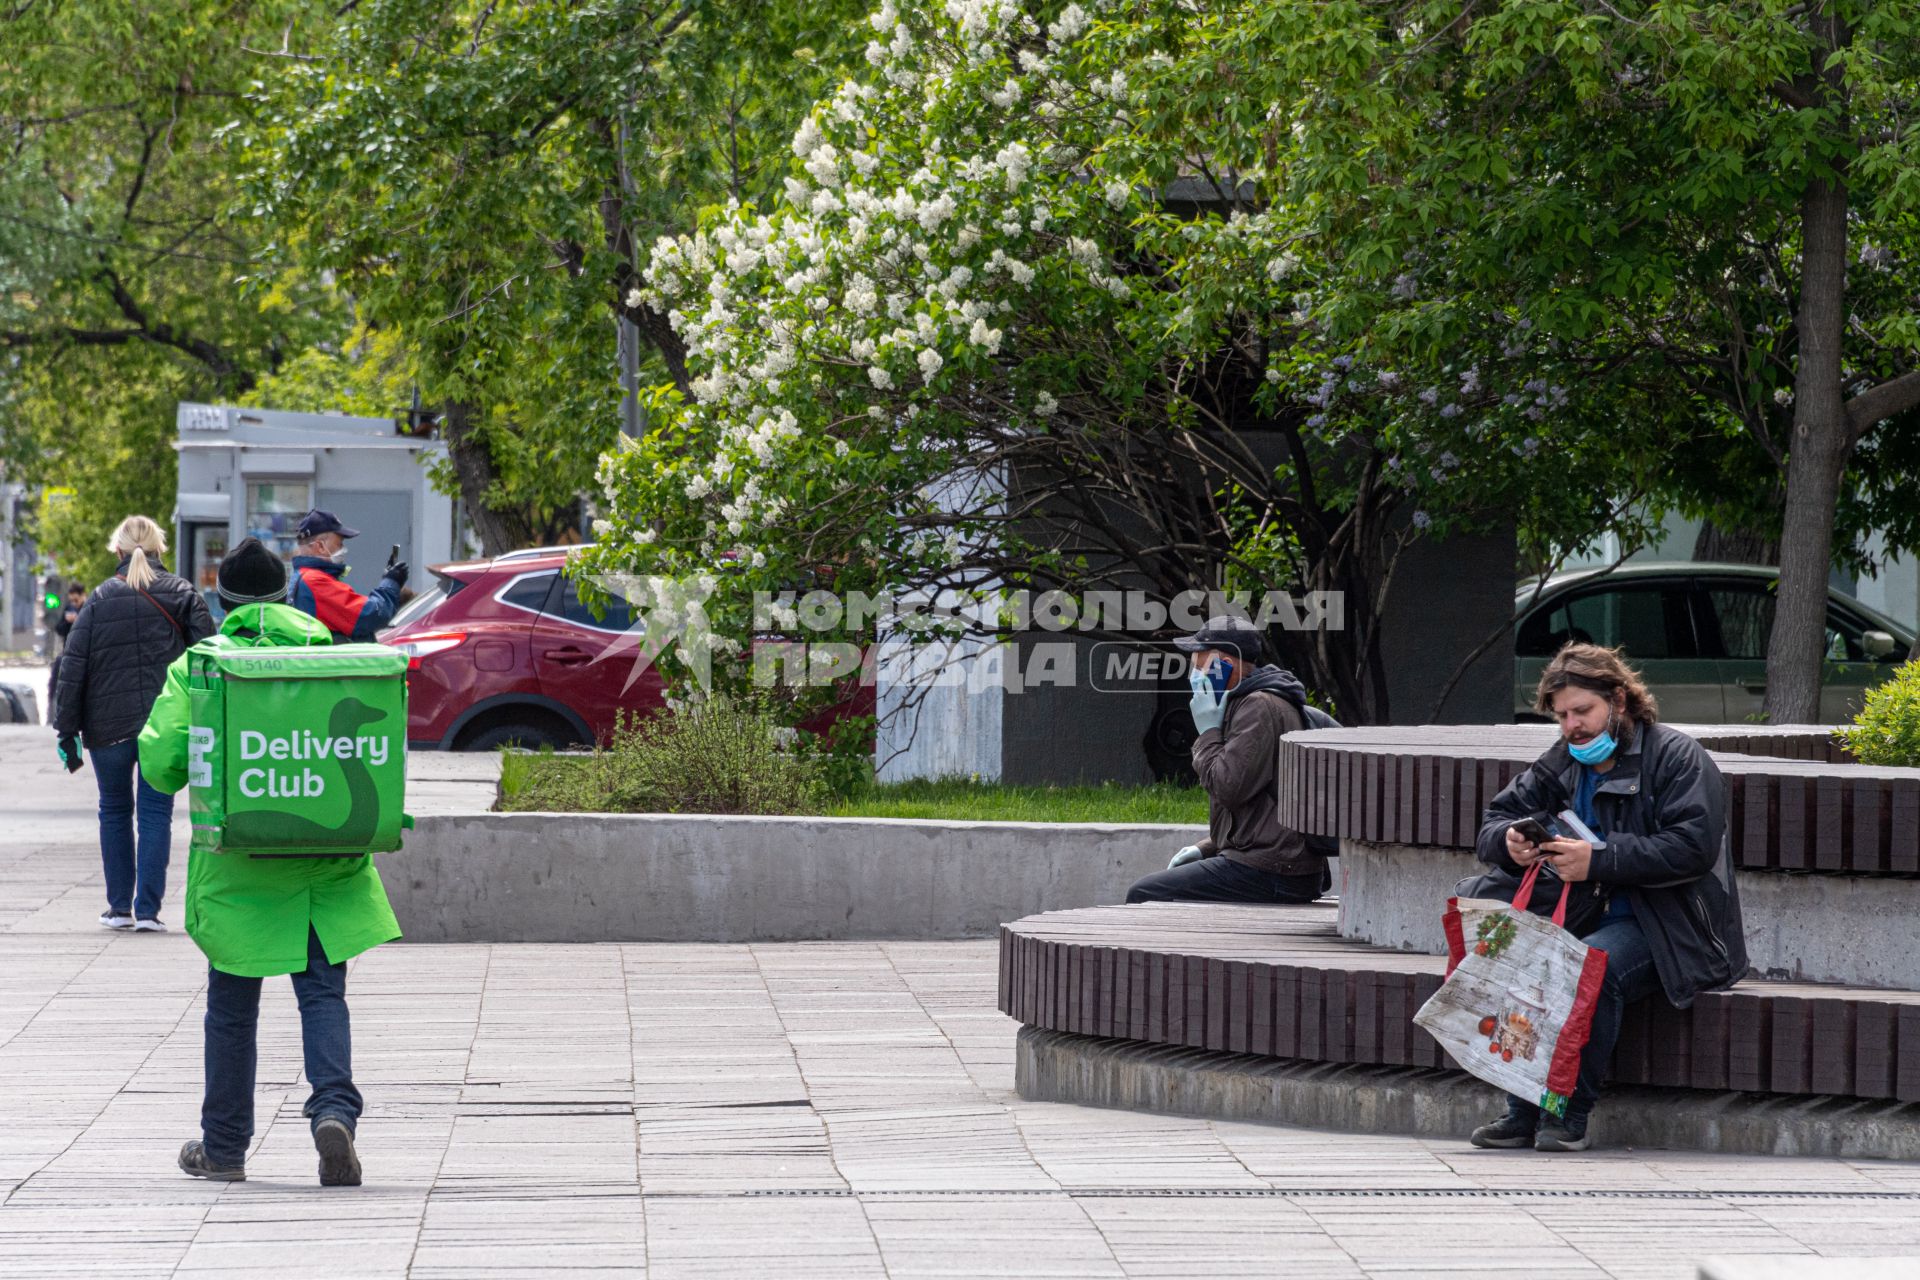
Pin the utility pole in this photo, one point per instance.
(627, 335)
(631, 420)
(9, 587)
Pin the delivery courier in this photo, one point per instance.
(293, 753)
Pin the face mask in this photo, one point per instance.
(1596, 750)
(1215, 677)
(339, 557)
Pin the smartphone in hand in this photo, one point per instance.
(393, 555)
(1537, 829)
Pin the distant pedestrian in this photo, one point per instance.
(70, 612)
(115, 662)
(319, 561)
(1242, 706)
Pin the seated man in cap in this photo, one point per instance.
(319, 560)
(1241, 706)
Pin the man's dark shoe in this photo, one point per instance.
(1558, 1135)
(193, 1160)
(1507, 1133)
(339, 1166)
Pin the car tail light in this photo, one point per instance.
(427, 644)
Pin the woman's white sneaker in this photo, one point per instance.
(113, 920)
(148, 926)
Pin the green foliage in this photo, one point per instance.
(573, 784)
(955, 799)
(719, 757)
(1887, 730)
(116, 265)
(113, 461)
(479, 176)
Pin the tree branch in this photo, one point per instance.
(1876, 404)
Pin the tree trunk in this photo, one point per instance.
(1822, 439)
(1816, 461)
(500, 530)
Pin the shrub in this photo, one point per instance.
(719, 757)
(1887, 730)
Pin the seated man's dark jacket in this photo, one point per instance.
(1239, 765)
(1662, 809)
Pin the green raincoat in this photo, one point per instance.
(251, 915)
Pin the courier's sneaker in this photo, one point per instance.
(149, 926)
(193, 1159)
(1509, 1132)
(339, 1166)
(1558, 1135)
(111, 919)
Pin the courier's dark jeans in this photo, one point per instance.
(136, 867)
(1630, 977)
(1221, 879)
(233, 1019)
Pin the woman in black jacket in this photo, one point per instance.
(114, 665)
(1655, 891)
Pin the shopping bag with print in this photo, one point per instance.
(1517, 1003)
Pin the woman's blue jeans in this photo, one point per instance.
(136, 869)
(1630, 977)
(233, 1021)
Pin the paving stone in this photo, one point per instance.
(836, 1110)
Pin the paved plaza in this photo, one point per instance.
(820, 1109)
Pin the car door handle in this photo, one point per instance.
(568, 657)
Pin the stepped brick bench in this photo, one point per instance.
(1406, 804)
(1270, 1013)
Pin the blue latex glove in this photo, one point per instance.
(69, 749)
(1208, 707)
(1189, 854)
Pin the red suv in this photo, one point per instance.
(503, 652)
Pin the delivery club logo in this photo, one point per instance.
(269, 779)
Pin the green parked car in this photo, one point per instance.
(1698, 634)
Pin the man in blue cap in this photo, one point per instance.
(319, 560)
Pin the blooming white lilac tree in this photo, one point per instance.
(1055, 248)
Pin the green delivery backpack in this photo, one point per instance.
(297, 751)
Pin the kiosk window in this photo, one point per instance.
(274, 508)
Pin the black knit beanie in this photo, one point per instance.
(251, 574)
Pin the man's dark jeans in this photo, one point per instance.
(1221, 879)
(1630, 977)
(233, 1019)
(136, 872)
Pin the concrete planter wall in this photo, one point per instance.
(1814, 928)
(563, 877)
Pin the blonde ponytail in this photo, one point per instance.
(139, 572)
(142, 542)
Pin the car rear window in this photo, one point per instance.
(420, 606)
(617, 615)
(531, 592)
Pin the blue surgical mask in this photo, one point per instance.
(1596, 750)
(1215, 677)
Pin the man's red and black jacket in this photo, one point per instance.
(318, 590)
